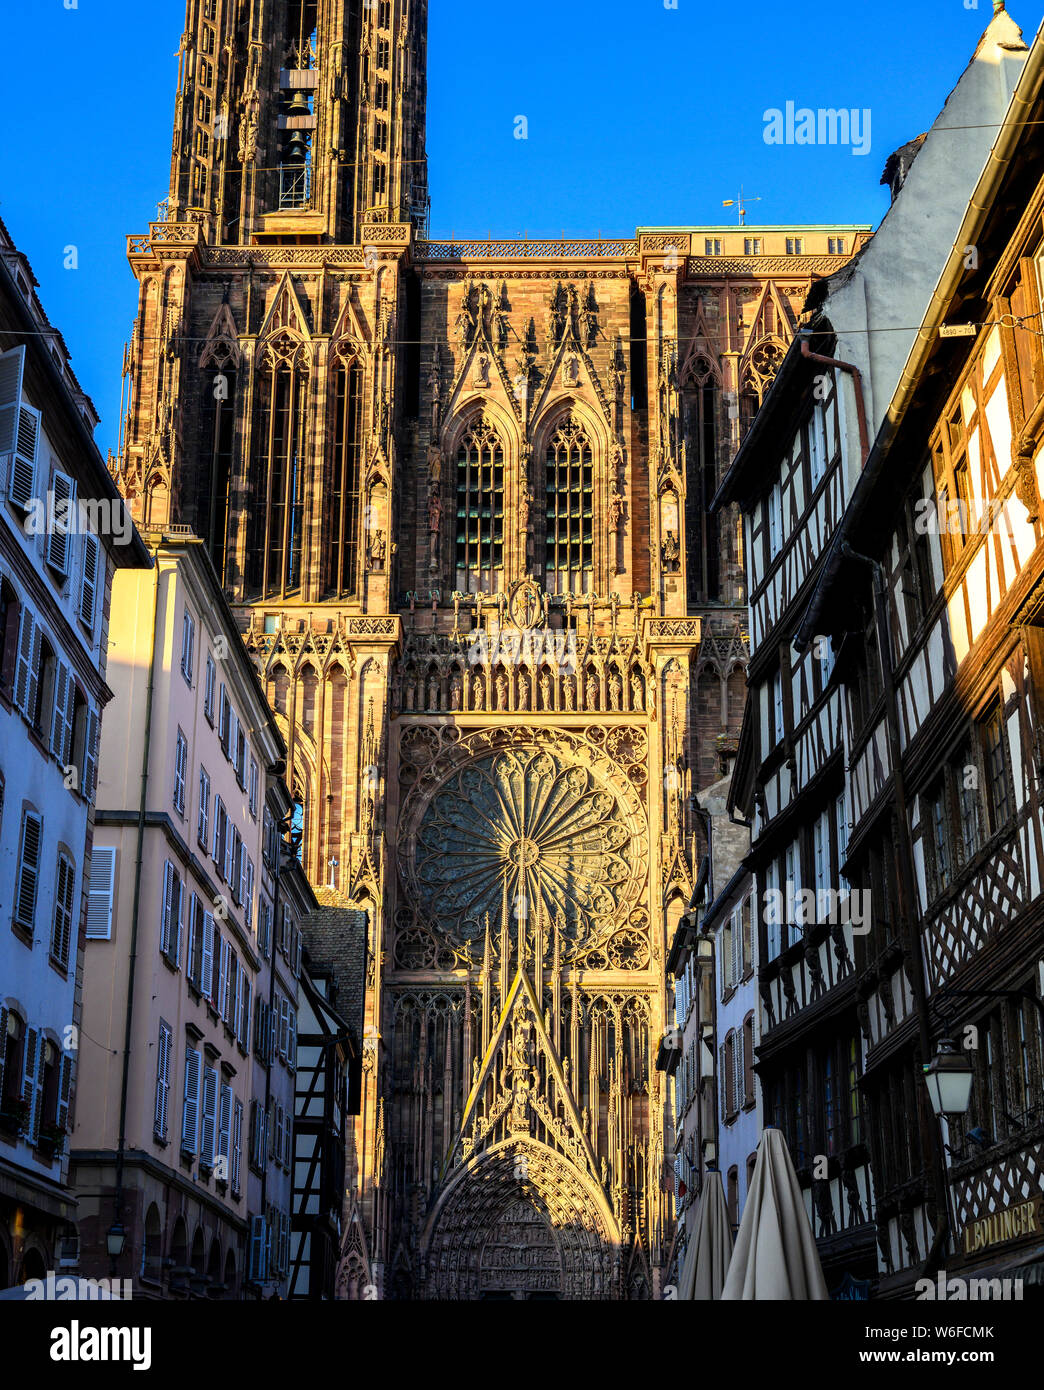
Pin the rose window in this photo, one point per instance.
(525, 821)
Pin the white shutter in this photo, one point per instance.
(737, 948)
(210, 1104)
(22, 484)
(221, 1002)
(163, 1051)
(100, 893)
(190, 1111)
(12, 364)
(207, 968)
(63, 519)
(28, 881)
(225, 1128)
(167, 908)
(179, 922)
(228, 867)
(89, 582)
(203, 819)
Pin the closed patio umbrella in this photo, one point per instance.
(709, 1249)
(775, 1255)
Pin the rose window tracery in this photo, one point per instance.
(529, 821)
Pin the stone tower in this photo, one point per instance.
(457, 494)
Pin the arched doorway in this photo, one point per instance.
(521, 1222)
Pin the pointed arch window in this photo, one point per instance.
(343, 481)
(277, 512)
(570, 510)
(480, 510)
(700, 406)
(218, 440)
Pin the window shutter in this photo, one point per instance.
(243, 1028)
(29, 1051)
(28, 870)
(64, 490)
(180, 768)
(225, 1127)
(737, 1066)
(36, 1103)
(737, 949)
(291, 1041)
(89, 781)
(167, 909)
(24, 664)
(100, 893)
(179, 923)
(210, 1103)
(89, 583)
(202, 824)
(3, 1011)
(12, 364)
(228, 867)
(257, 1248)
(61, 1118)
(22, 484)
(219, 819)
(61, 688)
(163, 1049)
(61, 931)
(723, 1081)
(237, 1143)
(191, 958)
(206, 973)
(190, 1112)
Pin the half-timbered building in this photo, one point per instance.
(941, 548)
(844, 836)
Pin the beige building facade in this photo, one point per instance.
(193, 953)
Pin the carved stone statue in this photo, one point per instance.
(615, 513)
(455, 692)
(615, 690)
(637, 702)
(433, 693)
(378, 550)
(478, 695)
(434, 509)
(502, 691)
(545, 690)
(570, 692)
(591, 691)
(523, 692)
(671, 552)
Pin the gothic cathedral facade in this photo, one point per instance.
(457, 496)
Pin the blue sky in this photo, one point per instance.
(637, 114)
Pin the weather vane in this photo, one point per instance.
(742, 201)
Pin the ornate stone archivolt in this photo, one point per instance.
(521, 1220)
(542, 820)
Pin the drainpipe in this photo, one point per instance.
(907, 882)
(135, 910)
(853, 371)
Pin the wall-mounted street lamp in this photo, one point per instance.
(949, 1077)
(115, 1240)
